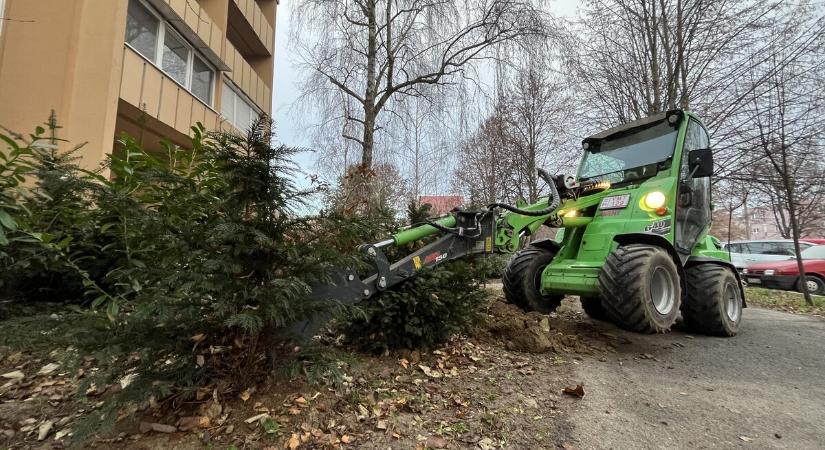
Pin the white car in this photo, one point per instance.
(745, 253)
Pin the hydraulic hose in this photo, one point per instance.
(554, 201)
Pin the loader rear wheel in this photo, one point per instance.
(522, 280)
(640, 288)
(713, 304)
(592, 306)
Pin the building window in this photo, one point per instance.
(239, 111)
(2, 14)
(158, 42)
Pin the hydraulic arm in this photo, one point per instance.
(499, 228)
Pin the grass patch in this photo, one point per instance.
(788, 301)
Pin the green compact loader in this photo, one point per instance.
(633, 244)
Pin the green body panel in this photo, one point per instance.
(710, 247)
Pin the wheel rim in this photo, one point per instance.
(812, 285)
(732, 304)
(662, 290)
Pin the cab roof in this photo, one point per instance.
(626, 128)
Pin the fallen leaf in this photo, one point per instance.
(245, 395)
(381, 425)
(44, 430)
(198, 337)
(293, 442)
(48, 368)
(200, 360)
(256, 418)
(15, 375)
(346, 439)
(429, 371)
(404, 363)
(301, 401)
(486, 444)
(746, 439)
(577, 391)
(61, 434)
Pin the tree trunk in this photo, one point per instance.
(795, 231)
(368, 141)
(370, 109)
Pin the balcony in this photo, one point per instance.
(250, 29)
(147, 90)
(246, 78)
(195, 24)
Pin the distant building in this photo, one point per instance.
(150, 68)
(757, 223)
(441, 204)
(760, 223)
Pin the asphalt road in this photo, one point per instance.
(764, 388)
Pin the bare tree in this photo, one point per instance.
(485, 161)
(375, 51)
(425, 146)
(787, 122)
(535, 126)
(632, 58)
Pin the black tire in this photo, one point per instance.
(522, 279)
(640, 288)
(813, 280)
(592, 306)
(713, 304)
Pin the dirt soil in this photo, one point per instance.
(499, 388)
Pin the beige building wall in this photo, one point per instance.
(70, 56)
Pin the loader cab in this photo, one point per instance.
(669, 146)
(629, 156)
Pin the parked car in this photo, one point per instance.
(817, 241)
(785, 274)
(745, 253)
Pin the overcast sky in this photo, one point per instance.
(290, 131)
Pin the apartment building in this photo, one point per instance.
(149, 68)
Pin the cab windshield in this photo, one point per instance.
(629, 157)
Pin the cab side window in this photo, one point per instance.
(693, 205)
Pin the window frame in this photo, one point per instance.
(2, 15)
(239, 95)
(165, 26)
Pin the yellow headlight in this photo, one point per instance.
(654, 200)
(572, 213)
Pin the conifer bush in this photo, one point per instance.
(424, 311)
(184, 263)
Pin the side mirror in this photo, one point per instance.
(701, 162)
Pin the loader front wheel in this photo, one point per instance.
(713, 305)
(640, 288)
(522, 281)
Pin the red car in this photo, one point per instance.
(785, 274)
(816, 241)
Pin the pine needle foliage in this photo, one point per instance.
(184, 263)
(425, 311)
